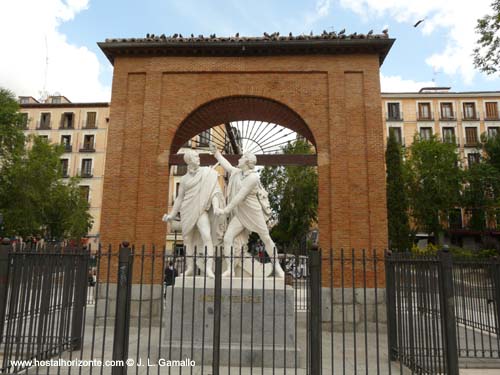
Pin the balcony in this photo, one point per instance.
(67, 147)
(451, 117)
(491, 117)
(394, 117)
(65, 174)
(474, 117)
(421, 117)
(89, 126)
(66, 126)
(86, 173)
(43, 125)
(471, 143)
(87, 148)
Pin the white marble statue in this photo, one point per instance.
(248, 212)
(199, 197)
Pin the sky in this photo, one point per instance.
(50, 45)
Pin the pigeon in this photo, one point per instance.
(192, 35)
(290, 34)
(419, 22)
(237, 35)
(175, 35)
(342, 32)
(266, 35)
(385, 31)
(147, 35)
(370, 32)
(180, 35)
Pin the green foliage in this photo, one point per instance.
(481, 192)
(434, 182)
(397, 200)
(487, 52)
(293, 195)
(457, 252)
(491, 148)
(34, 200)
(11, 133)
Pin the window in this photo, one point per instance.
(24, 120)
(447, 111)
(393, 112)
(397, 134)
(91, 120)
(449, 134)
(204, 138)
(88, 142)
(471, 136)
(469, 111)
(491, 111)
(66, 142)
(424, 111)
(24, 100)
(181, 170)
(455, 219)
(67, 120)
(425, 133)
(493, 131)
(473, 158)
(86, 168)
(56, 100)
(64, 167)
(44, 137)
(44, 121)
(85, 192)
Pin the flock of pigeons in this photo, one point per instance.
(266, 37)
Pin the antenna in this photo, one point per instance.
(44, 94)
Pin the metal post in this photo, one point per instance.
(495, 274)
(390, 290)
(315, 320)
(448, 311)
(217, 312)
(122, 318)
(5, 248)
(81, 284)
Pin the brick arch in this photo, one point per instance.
(239, 108)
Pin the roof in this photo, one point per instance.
(64, 105)
(441, 94)
(266, 45)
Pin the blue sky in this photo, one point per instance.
(66, 31)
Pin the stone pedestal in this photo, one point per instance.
(257, 323)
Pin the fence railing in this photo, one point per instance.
(442, 311)
(141, 309)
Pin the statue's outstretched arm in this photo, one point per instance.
(222, 160)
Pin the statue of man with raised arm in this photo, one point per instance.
(198, 198)
(244, 206)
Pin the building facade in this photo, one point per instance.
(460, 117)
(82, 129)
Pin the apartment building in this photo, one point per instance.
(460, 117)
(82, 129)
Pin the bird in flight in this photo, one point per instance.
(419, 22)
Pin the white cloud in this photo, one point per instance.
(25, 29)
(457, 17)
(321, 10)
(398, 84)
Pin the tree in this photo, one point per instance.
(11, 134)
(434, 181)
(293, 195)
(487, 52)
(35, 201)
(397, 199)
(481, 193)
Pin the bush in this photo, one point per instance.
(457, 252)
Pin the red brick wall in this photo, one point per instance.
(337, 96)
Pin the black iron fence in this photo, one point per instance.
(141, 310)
(443, 312)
